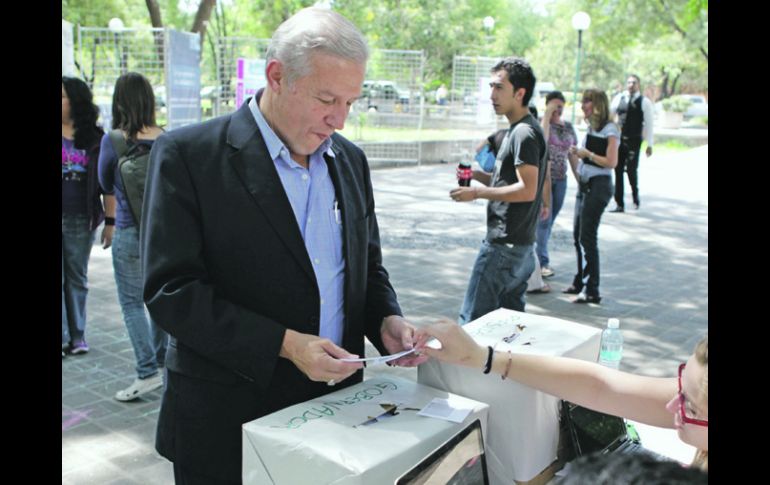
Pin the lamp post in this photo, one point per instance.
(116, 27)
(489, 24)
(580, 22)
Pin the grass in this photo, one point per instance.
(668, 146)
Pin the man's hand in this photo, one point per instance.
(106, 237)
(398, 335)
(648, 152)
(318, 357)
(463, 194)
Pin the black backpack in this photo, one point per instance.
(132, 165)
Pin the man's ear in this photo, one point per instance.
(274, 73)
(518, 94)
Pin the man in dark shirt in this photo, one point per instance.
(505, 261)
(635, 115)
(262, 287)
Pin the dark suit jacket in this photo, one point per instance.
(226, 273)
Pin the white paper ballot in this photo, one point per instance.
(444, 409)
(379, 360)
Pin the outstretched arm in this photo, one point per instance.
(588, 384)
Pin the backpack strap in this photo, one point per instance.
(118, 142)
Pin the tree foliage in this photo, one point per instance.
(664, 41)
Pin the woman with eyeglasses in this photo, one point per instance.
(679, 402)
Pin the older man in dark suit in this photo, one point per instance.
(261, 252)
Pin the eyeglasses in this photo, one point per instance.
(685, 418)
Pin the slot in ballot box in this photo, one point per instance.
(324, 440)
(523, 422)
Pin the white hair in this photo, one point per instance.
(314, 30)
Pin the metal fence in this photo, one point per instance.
(103, 55)
(227, 52)
(469, 96)
(392, 106)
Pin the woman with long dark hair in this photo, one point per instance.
(133, 121)
(593, 172)
(82, 209)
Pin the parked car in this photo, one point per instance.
(698, 106)
(384, 96)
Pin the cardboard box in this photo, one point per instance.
(523, 422)
(318, 442)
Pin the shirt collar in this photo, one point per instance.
(274, 144)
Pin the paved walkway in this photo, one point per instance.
(654, 279)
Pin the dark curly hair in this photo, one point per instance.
(83, 112)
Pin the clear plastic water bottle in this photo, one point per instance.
(611, 345)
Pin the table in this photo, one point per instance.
(523, 422)
(316, 441)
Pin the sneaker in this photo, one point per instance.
(618, 209)
(79, 348)
(546, 272)
(140, 387)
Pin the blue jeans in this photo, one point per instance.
(592, 199)
(76, 242)
(558, 191)
(149, 341)
(499, 279)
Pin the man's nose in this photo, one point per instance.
(336, 119)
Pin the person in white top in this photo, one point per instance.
(635, 116)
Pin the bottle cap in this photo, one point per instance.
(613, 323)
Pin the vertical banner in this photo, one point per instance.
(251, 78)
(183, 78)
(485, 113)
(67, 50)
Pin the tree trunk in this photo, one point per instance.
(663, 85)
(157, 22)
(154, 9)
(202, 17)
(673, 83)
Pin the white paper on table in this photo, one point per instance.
(379, 360)
(443, 409)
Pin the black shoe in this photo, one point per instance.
(572, 290)
(636, 205)
(618, 209)
(583, 298)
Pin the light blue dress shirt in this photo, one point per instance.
(312, 198)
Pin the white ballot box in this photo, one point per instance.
(325, 440)
(523, 422)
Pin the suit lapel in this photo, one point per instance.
(256, 169)
(342, 178)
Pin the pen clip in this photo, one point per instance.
(337, 214)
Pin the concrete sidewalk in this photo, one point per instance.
(654, 279)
